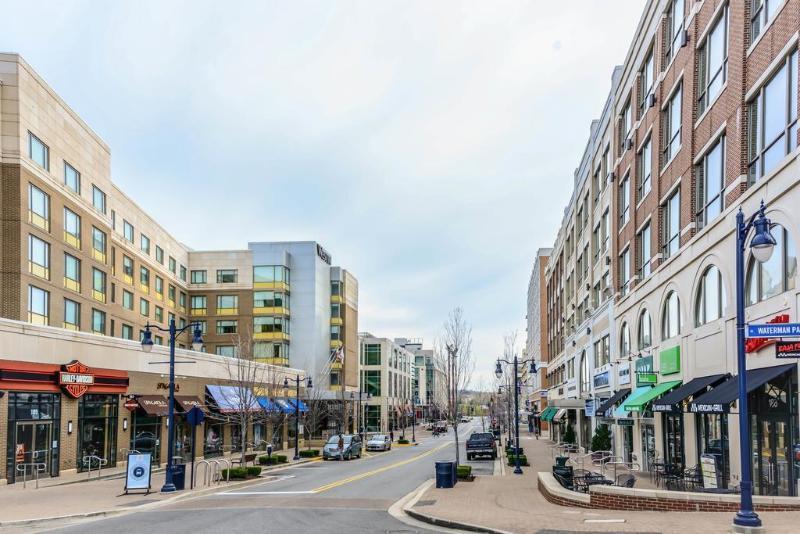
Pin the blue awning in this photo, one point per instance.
(229, 399)
(284, 405)
(298, 403)
(267, 404)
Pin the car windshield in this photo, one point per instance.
(333, 440)
(481, 435)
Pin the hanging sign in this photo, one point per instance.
(644, 371)
(787, 349)
(138, 472)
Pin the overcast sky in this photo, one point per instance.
(429, 146)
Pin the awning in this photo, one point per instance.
(230, 399)
(610, 403)
(672, 401)
(548, 413)
(621, 412)
(640, 403)
(719, 399)
(187, 402)
(568, 403)
(559, 415)
(284, 405)
(268, 405)
(296, 402)
(154, 405)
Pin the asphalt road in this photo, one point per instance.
(324, 496)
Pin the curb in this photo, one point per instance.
(120, 511)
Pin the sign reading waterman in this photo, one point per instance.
(774, 330)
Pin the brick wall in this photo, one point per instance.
(10, 288)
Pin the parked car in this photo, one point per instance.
(352, 447)
(465, 419)
(379, 442)
(481, 444)
(440, 426)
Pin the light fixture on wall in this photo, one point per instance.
(69, 427)
(125, 424)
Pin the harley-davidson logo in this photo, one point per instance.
(75, 379)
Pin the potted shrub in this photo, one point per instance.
(464, 472)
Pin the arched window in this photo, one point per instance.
(765, 280)
(624, 341)
(645, 330)
(671, 316)
(710, 297)
(586, 381)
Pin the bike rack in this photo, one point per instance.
(38, 467)
(89, 458)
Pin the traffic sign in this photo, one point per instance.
(195, 416)
(787, 349)
(774, 330)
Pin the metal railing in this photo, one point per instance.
(37, 467)
(212, 470)
(619, 462)
(91, 459)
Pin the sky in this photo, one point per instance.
(429, 146)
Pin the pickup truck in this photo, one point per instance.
(481, 444)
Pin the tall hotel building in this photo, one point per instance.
(701, 122)
(83, 269)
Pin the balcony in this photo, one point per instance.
(71, 284)
(337, 321)
(277, 286)
(39, 270)
(271, 310)
(272, 336)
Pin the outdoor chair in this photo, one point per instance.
(565, 481)
(673, 477)
(579, 480)
(692, 478)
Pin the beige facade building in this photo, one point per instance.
(387, 380)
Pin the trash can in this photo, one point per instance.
(179, 476)
(455, 473)
(445, 474)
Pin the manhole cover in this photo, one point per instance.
(425, 503)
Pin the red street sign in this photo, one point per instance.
(787, 349)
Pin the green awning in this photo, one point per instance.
(548, 414)
(639, 403)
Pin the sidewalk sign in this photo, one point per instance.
(138, 472)
(708, 467)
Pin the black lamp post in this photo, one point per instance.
(762, 245)
(147, 346)
(498, 371)
(414, 420)
(297, 381)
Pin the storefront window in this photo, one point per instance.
(33, 430)
(236, 437)
(213, 441)
(712, 439)
(146, 434)
(97, 430)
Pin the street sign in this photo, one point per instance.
(787, 349)
(195, 416)
(774, 330)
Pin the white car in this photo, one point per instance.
(379, 442)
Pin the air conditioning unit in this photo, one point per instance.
(684, 38)
(588, 330)
(651, 100)
(629, 143)
(611, 176)
(608, 260)
(588, 286)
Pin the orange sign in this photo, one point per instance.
(75, 379)
(20, 454)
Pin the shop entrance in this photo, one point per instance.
(33, 435)
(648, 445)
(97, 431)
(627, 442)
(33, 449)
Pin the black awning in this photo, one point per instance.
(671, 402)
(609, 404)
(719, 399)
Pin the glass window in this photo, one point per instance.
(710, 174)
(38, 305)
(227, 276)
(199, 277)
(671, 317)
(710, 297)
(671, 117)
(606, 230)
(226, 327)
(127, 331)
(624, 341)
(39, 207)
(336, 311)
(626, 119)
(159, 314)
(39, 256)
(144, 307)
(773, 120)
(586, 377)
(761, 12)
(227, 302)
(144, 243)
(99, 281)
(160, 255)
(98, 199)
(127, 230)
(72, 224)
(713, 62)
(675, 21)
(372, 383)
(624, 272)
(98, 240)
(98, 322)
(624, 200)
(198, 302)
(645, 259)
(270, 325)
(226, 350)
(72, 314)
(335, 333)
(672, 225)
(270, 273)
(182, 299)
(72, 178)
(173, 265)
(38, 151)
(183, 273)
(372, 354)
(72, 268)
(127, 300)
(144, 276)
(773, 277)
(648, 77)
(171, 294)
(645, 330)
(159, 285)
(645, 163)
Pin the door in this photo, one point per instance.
(33, 449)
(627, 443)
(773, 459)
(648, 445)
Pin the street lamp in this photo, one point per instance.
(147, 346)
(297, 381)
(498, 371)
(414, 419)
(762, 245)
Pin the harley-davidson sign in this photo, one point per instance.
(75, 378)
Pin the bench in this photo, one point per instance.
(248, 457)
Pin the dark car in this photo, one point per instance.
(481, 444)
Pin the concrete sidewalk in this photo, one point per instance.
(512, 503)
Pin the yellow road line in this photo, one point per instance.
(353, 478)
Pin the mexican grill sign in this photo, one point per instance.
(75, 379)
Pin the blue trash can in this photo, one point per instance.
(445, 474)
(179, 476)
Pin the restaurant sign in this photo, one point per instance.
(787, 349)
(644, 371)
(75, 379)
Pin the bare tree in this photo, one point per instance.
(317, 412)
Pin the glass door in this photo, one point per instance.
(32, 451)
(772, 465)
(627, 443)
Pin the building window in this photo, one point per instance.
(229, 351)
(198, 305)
(713, 62)
(271, 350)
(127, 230)
(227, 276)
(586, 375)
(98, 199)
(710, 300)
(336, 311)
(269, 325)
(647, 81)
(182, 301)
(671, 316)
(372, 383)
(773, 277)
(173, 265)
(38, 306)
(226, 327)
(624, 272)
(160, 255)
(171, 295)
(602, 352)
(38, 257)
(645, 330)
(159, 286)
(98, 322)
(99, 244)
(773, 120)
(38, 151)
(159, 314)
(199, 277)
(372, 354)
(72, 228)
(624, 200)
(336, 333)
(72, 272)
(227, 303)
(606, 230)
(710, 183)
(674, 31)
(645, 259)
(38, 207)
(645, 164)
(127, 332)
(72, 178)
(127, 300)
(127, 268)
(672, 225)
(98, 285)
(144, 307)
(72, 315)
(144, 244)
(183, 273)
(144, 276)
(270, 299)
(625, 125)
(203, 325)
(761, 12)
(270, 273)
(624, 341)
(671, 120)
